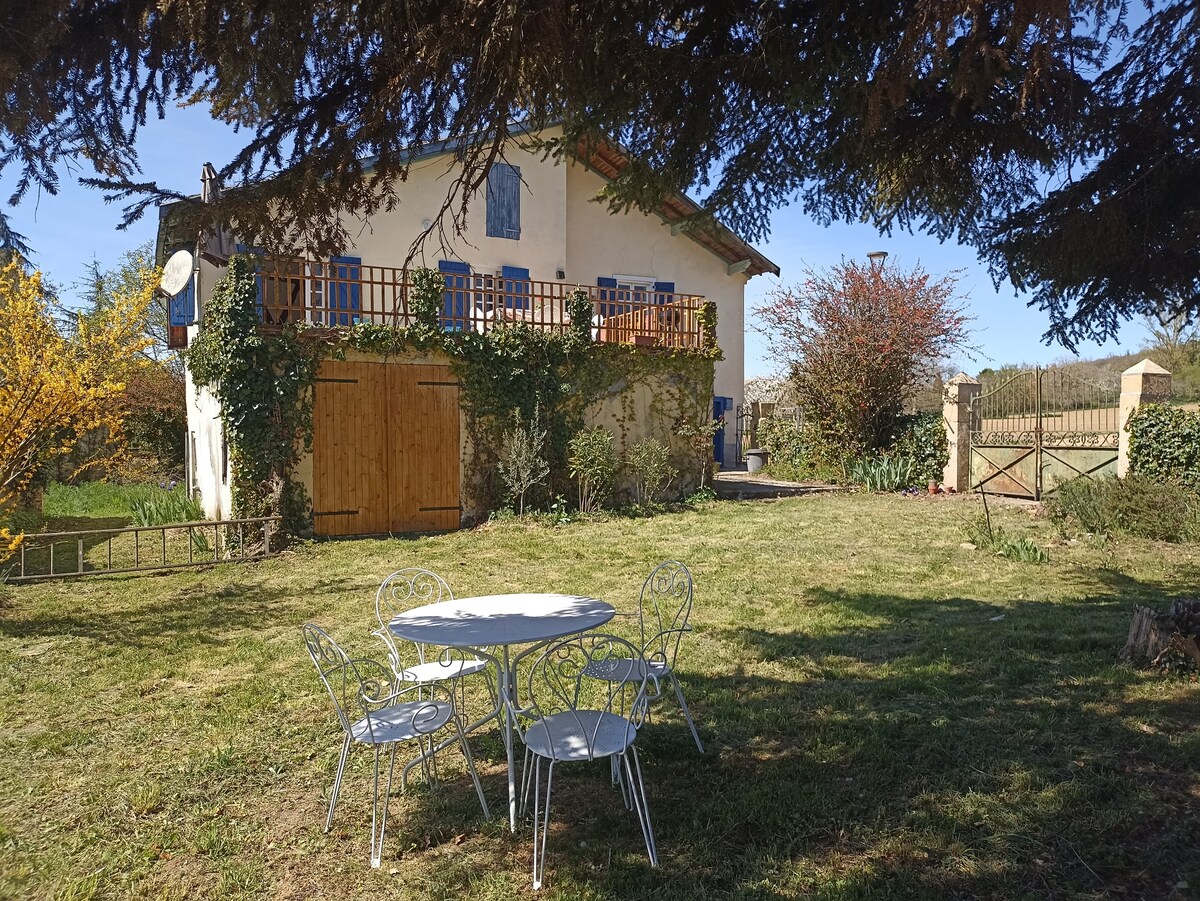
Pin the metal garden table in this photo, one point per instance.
(501, 620)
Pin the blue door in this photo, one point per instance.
(721, 406)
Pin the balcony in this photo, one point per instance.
(347, 293)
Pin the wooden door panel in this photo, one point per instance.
(350, 449)
(424, 460)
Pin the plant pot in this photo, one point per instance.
(756, 459)
(933, 486)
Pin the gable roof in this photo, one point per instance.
(608, 160)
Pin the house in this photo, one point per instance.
(534, 236)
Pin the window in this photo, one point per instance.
(504, 202)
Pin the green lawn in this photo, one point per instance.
(886, 714)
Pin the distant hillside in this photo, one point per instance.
(1106, 371)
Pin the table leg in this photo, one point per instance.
(509, 700)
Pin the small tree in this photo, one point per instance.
(522, 461)
(856, 340)
(1175, 336)
(593, 466)
(699, 437)
(650, 461)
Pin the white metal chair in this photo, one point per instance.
(663, 611)
(372, 713)
(571, 717)
(415, 587)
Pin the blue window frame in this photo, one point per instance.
(345, 290)
(516, 287)
(457, 296)
(608, 296)
(504, 202)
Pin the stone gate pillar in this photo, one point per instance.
(1143, 383)
(956, 413)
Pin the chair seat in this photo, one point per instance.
(625, 669)
(436, 671)
(401, 722)
(580, 735)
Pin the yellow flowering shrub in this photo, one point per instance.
(58, 384)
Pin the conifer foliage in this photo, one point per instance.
(1061, 138)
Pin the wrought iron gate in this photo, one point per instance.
(1039, 428)
(743, 430)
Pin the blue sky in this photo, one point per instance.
(67, 231)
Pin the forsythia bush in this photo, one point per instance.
(57, 385)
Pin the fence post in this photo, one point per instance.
(957, 395)
(1143, 383)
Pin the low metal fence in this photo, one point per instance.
(94, 552)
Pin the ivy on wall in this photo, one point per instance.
(1164, 444)
(264, 382)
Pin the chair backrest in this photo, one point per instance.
(663, 611)
(408, 588)
(403, 590)
(583, 673)
(350, 683)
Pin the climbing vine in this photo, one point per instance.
(264, 382)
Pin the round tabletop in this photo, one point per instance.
(500, 619)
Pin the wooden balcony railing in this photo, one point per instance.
(341, 293)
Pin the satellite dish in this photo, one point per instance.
(177, 273)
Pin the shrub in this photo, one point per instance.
(921, 437)
(593, 466)
(579, 313)
(883, 473)
(162, 508)
(797, 450)
(425, 302)
(857, 339)
(1164, 444)
(1136, 505)
(650, 461)
(522, 461)
(783, 439)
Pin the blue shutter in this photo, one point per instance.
(345, 289)
(181, 309)
(504, 201)
(457, 294)
(516, 287)
(663, 292)
(608, 294)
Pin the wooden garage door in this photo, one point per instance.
(385, 449)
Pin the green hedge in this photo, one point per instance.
(1164, 444)
(797, 452)
(922, 438)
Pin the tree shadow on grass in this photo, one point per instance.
(944, 751)
(198, 613)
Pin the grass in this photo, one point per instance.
(887, 715)
(93, 500)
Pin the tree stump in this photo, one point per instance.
(1156, 637)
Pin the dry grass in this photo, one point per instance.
(887, 715)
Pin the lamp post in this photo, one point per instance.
(877, 257)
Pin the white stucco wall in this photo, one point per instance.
(204, 447)
(385, 239)
(601, 244)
